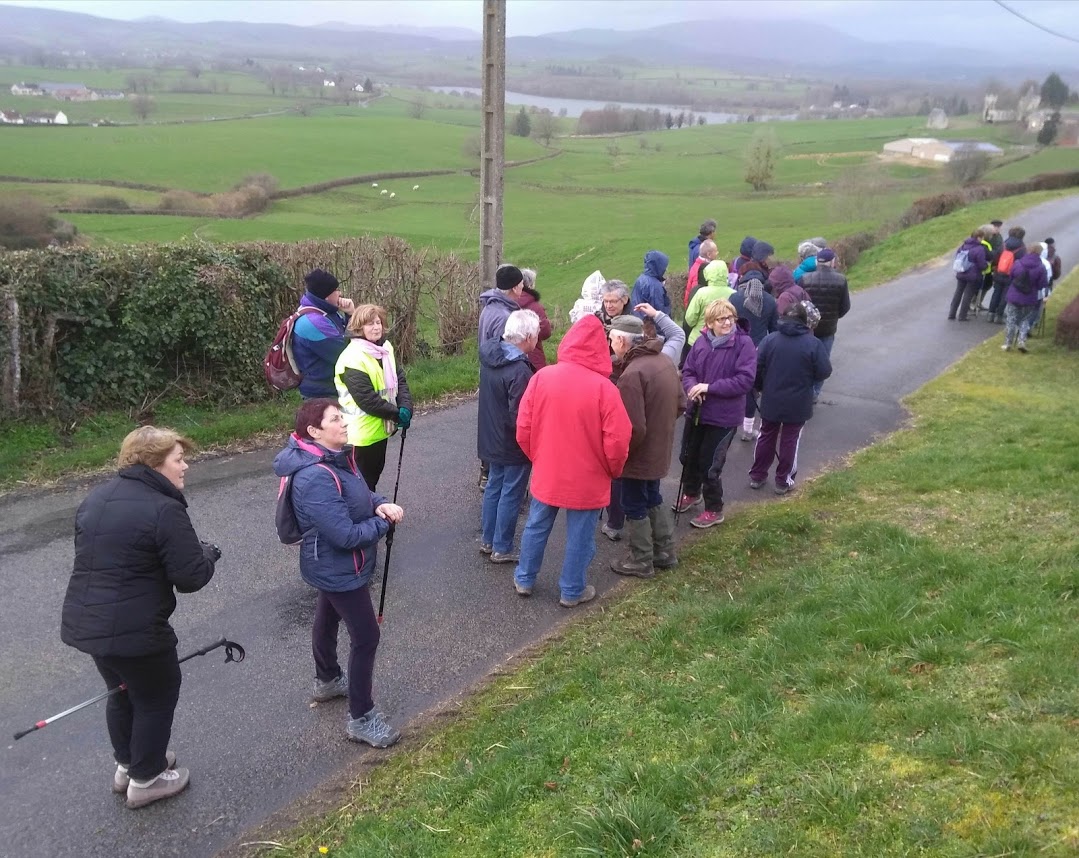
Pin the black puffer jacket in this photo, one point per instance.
(828, 290)
(504, 375)
(134, 543)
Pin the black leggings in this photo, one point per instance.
(355, 608)
(704, 452)
(140, 718)
(371, 460)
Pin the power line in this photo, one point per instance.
(1041, 27)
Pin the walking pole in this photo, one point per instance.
(389, 534)
(685, 458)
(233, 652)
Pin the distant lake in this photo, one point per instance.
(576, 106)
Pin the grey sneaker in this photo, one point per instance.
(121, 778)
(329, 690)
(373, 729)
(485, 548)
(612, 533)
(508, 557)
(756, 484)
(1022, 346)
(587, 596)
(167, 784)
(522, 590)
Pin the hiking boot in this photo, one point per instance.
(324, 691)
(707, 519)
(756, 484)
(686, 503)
(1007, 347)
(373, 729)
(121, 779)
(662, 520)
(508, 557)
(612, 533)
(167, 784)
(587, 596)
(638, 562)
(486, 548)
(782, 490)
(522, 591)
(1022, 346)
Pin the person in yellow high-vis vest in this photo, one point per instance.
(374, 395)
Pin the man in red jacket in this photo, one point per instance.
(573, 427)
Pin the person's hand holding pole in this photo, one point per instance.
(391, 512)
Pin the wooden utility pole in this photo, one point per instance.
(493, 140)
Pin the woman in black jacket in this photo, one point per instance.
(134, 547)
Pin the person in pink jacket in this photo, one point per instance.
(573, 427)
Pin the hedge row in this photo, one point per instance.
(122, 326)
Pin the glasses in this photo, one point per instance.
(723, 319)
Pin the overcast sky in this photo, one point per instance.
(971, 22)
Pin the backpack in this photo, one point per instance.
(279, 365)
(961, 264)
(1021, 282)
(288, 528)
(1005, 262)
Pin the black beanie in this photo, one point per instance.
(762, 250)
(321, 284)
(508, 277)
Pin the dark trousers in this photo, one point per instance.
(996, 303)
(965, 290)
(371, 461)
(639, 496)
(777, 439)
(751, 406)
(704, 453)
(355, 608)
(616, 516)
(140, 718)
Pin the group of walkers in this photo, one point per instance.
(592, 434)
(1019, 276)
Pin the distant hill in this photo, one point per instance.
(739, 44)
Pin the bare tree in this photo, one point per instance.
(545, 127)
(417, 109)
(761, 157)
(142, 106)
(968, 164)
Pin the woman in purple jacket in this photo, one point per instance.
(968, 281)
(1028, 280)
(718, 373)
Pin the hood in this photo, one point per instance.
(746, 247)
(1028, 261)
(655, 264)
(715, 273)
(969, 243)
(496, 353)
(653, 346)
(298, 453)
(762, 250)
(793, 328)
(781, 279)
(497, 296)
(1012, 243)
(529, 297)
(586, 345)
(309, 300)
(695, 242)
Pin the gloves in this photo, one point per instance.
(211, 551)
(404, 417)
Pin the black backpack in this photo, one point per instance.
(1021, 282)
(288, 528)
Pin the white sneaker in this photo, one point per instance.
(167, 784)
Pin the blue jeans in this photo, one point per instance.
(639, 496)
(828, 343)
(506, 485)
(580, 546)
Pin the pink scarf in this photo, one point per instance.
(389, 372)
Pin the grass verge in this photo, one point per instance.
(884, 664)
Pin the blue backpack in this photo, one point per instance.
(962, 264)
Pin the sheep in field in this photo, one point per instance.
(415, 187)
(392, 196)
(383, 192)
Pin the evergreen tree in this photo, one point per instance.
(522, 125)
(1054, 92)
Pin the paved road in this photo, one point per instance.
(252, 741)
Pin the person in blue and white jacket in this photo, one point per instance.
(342, 522)
(318, 338)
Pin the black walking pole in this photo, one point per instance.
(389, 534)
(233, 652)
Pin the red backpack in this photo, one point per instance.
(1005, 262)
(279, 365)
